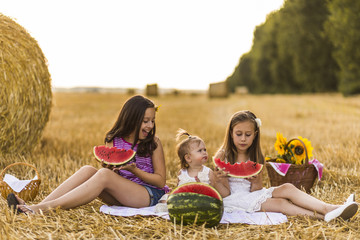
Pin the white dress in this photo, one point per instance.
(203, 176)
(241, 198)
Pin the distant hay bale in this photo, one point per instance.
(241, 90)
(25, 90)
(130, 91)
(175, 92)
(152, 90)
(218, 90)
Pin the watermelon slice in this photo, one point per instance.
(113, 156)
(239, 170)
(198, 187)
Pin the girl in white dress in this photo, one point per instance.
(193, 155)
(241, 144)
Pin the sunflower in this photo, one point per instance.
(308, 146)
(280, 160)
(291, 152)
(280, 144)
(298, 150)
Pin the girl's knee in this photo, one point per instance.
(104, 171)
(88, 168)
(103, 174)
(284, 191)
(287, 186)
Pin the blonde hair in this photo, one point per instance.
(228, 150)
(183, 147)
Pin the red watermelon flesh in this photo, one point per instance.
(198, 187)
(239, 170)
(113, 156)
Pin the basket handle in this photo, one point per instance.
(18, 163)
(306, 153)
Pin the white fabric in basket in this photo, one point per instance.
(16, 184)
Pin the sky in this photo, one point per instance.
(185, 44)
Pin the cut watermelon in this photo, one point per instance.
(113, 156)
(239, 170)
(198, 187)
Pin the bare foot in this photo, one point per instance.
(21, 202)
(17, 204)
(26, 209)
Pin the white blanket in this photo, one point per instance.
(258, 218)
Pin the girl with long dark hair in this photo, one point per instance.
(138, 184)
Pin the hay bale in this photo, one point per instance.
(130, 91)
(152, 90)
(241, 90)
(25, 91)
(218, 90)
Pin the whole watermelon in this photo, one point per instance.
(195, 203)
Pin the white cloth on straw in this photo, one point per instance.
(16, 184)
(257, 218)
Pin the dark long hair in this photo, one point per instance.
(228, 146)
(129, 120)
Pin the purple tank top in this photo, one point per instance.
(143, 163)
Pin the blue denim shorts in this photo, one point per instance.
(155, 194)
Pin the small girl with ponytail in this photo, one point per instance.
(193, 155)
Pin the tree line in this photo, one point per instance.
(307, 46)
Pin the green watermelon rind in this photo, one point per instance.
(229, 165)
(112, 163)
(174, 191)
(186, 206)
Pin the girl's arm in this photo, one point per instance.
(158, 178)
(256, 182)
(219, 179)
(178, 179)
(220, 182)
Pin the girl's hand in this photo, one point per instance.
(128, 167)
(255, 178)
(111, 167)
(220, 173)
(219, 179)
(252, 178)
(256, 182)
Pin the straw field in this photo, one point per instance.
(79, 121)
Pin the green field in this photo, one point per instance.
(79, 121)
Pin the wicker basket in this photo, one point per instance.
(302, 176)
(28, 193)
